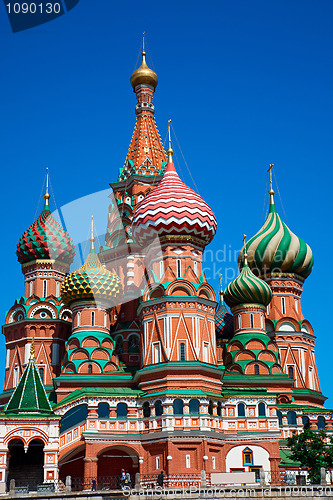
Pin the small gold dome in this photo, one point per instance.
(144, 75)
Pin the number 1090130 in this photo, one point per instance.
(33, 8)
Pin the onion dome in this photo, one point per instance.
(276, 249)
(247, 289)
(224, 321)
(91, 282)
(45, 239)
(172, 208)
(144, 75)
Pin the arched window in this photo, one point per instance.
(241, 409)
(291, 374)
(321, 423)
(219, 408)
(305, 422)
(256, 369)
(247, 456)
(146, 409)
(158, 408)
(279, 416)
(194, 407)
(78, 321)
(105, 320)
(90, 370)
(161, 268)
(93, 318)
(41, 374)
(119, 347)
(121, 410)
(210, 407)
(195, 267)
(182, 351)
(239, 321)
(291, 417)
(251, 320)
(262, 410)
(133, 344)
(31, 287)
(44, 288)
(178, 407)
(57, 288)
(103, 410)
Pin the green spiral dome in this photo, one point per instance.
(247, 289)
(276, 249)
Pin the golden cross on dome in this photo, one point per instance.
(143, 41)
(92, 239)
(46, 195)
(221, 287)
(245, 250)
(32, 348)
(270, 175)
(170, 150)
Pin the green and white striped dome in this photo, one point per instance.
(276, 249)
(247, 289)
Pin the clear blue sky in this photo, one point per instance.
(245, 83)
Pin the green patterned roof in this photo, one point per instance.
(29, 396)
(247, 289)
(276, 249)
(91, 282)
(45, 239)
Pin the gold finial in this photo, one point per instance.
(221, 287)
(144, 75)
(92, 239)
(170, 150)
(271, 190)
(245, 253)
(143, 41)
(46, 195)
(32, 348)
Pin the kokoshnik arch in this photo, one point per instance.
(134, 363)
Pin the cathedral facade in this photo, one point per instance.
(132, 362)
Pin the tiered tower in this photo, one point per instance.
(45, 251)
(284, 261)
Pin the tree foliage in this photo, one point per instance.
(313, 450)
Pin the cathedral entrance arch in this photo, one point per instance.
(113, 459)
(72, 463)
(26, 463)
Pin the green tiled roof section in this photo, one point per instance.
(286, 459)
(243, 338)
(186, 392)
(102, 392)
(246, 391)
(29, 396)
(256, 352)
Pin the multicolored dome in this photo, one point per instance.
(45, 239)
(91, 282)
(276, 249)
(247, 289)
(224, 321)
(172, 208)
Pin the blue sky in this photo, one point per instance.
(245, 83)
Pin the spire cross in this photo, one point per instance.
(170, 150)
(221, 287)
(46, 195)
(92, 239)
(32, 348)
(143, 41)
(245, 253)
(270, 175)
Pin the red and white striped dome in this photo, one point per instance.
(172, 208)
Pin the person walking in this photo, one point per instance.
(128, 481)
(122, 478)
(160, 479)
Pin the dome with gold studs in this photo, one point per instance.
(144, 75)
(91, 282)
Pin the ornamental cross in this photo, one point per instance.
(270, 174)
(168, 129)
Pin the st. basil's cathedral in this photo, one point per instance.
(131, 362)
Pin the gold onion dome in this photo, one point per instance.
(91, 282)
(247, 289)
(144, 75)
